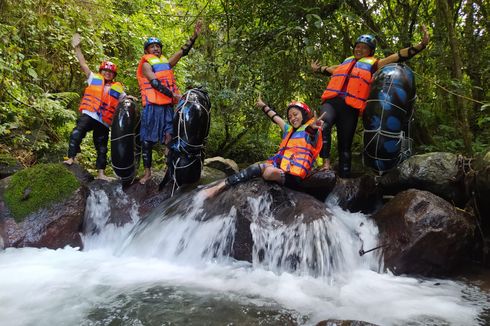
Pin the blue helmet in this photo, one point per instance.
(367, 39)
(152, 40)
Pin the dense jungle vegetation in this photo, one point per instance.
(247, 48)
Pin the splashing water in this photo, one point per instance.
(173, 268)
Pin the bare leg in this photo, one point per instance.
(168, 138)
(146, 176)
(272, 173)
(214, 190)
(326, 165)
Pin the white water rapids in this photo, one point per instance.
(174, 270)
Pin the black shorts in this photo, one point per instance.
(292, 181)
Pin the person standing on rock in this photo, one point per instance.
(159, 93)
(98, 105)
(299, 148)
(345, 97)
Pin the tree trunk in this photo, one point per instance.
(456, 73)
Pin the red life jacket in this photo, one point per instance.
(163, 72)
(298, 150)
(95, 99)
(358, 74)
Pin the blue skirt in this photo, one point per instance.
(156, 121)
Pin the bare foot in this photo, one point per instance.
(146, 176)
(326, 166)
(69, 161)
(104, 177)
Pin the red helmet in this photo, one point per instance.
(300, 105)
(107, 65)
(305, 109)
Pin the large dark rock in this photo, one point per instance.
(126, 203)
(223, 164)
(423, 234)
(319, 184)
(478, 185)
(440, 173)
(356, 194)
(287, 205)
(210, 174)
(53, 227)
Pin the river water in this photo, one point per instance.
(172, 269)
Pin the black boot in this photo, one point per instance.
(244, 175)
(344, 164)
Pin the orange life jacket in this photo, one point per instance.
(358, 81)
(95, 99)
(163, 72)
(298, 150)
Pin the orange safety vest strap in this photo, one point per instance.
(297, 151)
(95, 99)
(163, 72)
(358, 75)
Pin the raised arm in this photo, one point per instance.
(407, 53)
(154, 82)
(325, 70)
(75, 42)
(184, 50)
(271, 114)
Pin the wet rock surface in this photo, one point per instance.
(423, 234)
(52, 227)
(427, 235)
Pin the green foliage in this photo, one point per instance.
(7, 160)
(247, 48)
(39, 186)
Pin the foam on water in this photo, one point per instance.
(62, 287)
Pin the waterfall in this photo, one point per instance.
(173, 267)
(322, 248)
(178, 230)
(98, 232)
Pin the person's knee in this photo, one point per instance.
(77, 135)
(102, 150)
(76, 138)
(269, 174)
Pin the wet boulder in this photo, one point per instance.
(478, 185)
(119, 205)
(319, 184)
(41, 206)
(286, 207)
(53, 227)
(223, 164)
(440, 173)
(359, 194)
(210, 174)
(423, 234)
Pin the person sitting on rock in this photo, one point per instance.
(300, 146)
(98, 105)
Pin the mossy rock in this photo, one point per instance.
(37, 187)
